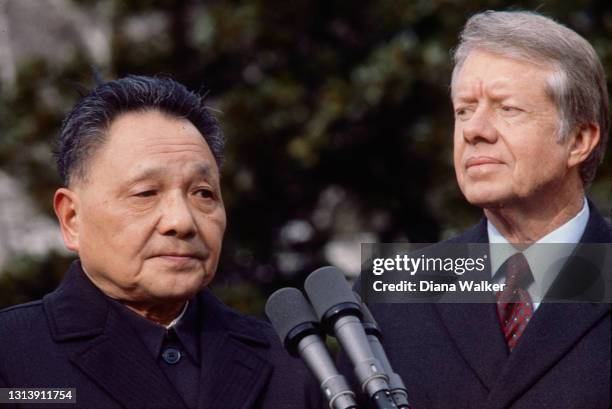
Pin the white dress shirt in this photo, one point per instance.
(543, 259)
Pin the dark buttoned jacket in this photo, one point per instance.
(455, 356)
(72, 338)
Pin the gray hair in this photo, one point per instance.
(577, 85)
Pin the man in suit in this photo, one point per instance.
(531, 123)
(132, 325)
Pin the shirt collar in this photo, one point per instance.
(177, 319)
(570, 232)
(543, 259)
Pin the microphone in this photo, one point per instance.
(340, 314)
(396, 385)
(298, 328)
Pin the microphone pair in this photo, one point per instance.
(336, 310)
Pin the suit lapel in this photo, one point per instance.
(103, 347)
(476, 324)
(469, 324)
(233, 373)
(552, 332)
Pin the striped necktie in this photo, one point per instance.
(514, 305)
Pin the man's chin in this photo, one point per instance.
(174, 296)
(179, 291)
(487, 199)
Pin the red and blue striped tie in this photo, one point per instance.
(514, 305)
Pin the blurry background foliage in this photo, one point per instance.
(336, 113)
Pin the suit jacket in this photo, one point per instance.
(455, 356)
(72, 338)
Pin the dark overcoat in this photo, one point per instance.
(72, 338)
(455, 356)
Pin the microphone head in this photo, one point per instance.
(328, 290)
(291, 315)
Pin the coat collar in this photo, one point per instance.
(554, 329)
(76, 309)
(108, 351)
(550, 335)
(597, 229)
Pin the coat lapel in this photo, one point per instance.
(233, 373)
(103, 347)
(555, 328)
(551, 334)
(469, 324)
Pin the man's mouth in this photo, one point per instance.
(474, 161)
(178, 256)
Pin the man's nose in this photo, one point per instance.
(479, 128)
(176, 217)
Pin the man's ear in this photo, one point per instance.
(66, 205)
(582, 144)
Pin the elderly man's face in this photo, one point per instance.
(505, 144)
(150, 214)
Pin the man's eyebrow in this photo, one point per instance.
(463, 97)
(202, 170)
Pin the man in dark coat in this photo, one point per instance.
(133, 325)
(531, 123)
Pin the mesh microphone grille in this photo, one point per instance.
(327, 287)
(288, 308)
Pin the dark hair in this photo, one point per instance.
(84, 129)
